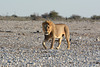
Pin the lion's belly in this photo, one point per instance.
(59, 35)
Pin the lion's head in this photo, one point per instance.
(47, 27)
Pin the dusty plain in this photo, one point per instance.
(21, 45)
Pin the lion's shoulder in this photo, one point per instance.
(60, 24)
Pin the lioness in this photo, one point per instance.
(53, 31)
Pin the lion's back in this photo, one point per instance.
(60, 27)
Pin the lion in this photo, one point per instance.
(53, 31)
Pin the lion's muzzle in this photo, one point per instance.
(46, 33)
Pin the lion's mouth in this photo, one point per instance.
(46, 33)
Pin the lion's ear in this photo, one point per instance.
(47, 21)
(50, 22)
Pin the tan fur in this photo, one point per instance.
(53, 31)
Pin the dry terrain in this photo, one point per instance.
(21, 45)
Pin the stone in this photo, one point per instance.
(97, 39)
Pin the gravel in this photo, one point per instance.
(21, 45)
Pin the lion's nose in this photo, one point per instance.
(46, 32)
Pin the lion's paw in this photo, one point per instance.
(68, 48)
(57, 48)
(51, 48)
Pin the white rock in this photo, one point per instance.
(98, 39)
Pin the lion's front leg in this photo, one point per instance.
(52, 43)
(60, 39)
(43, 43)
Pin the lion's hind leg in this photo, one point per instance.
(67, 39)
(67, 36)
(60, 39)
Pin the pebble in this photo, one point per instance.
(97, 39)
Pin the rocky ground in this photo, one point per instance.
(21, 45)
